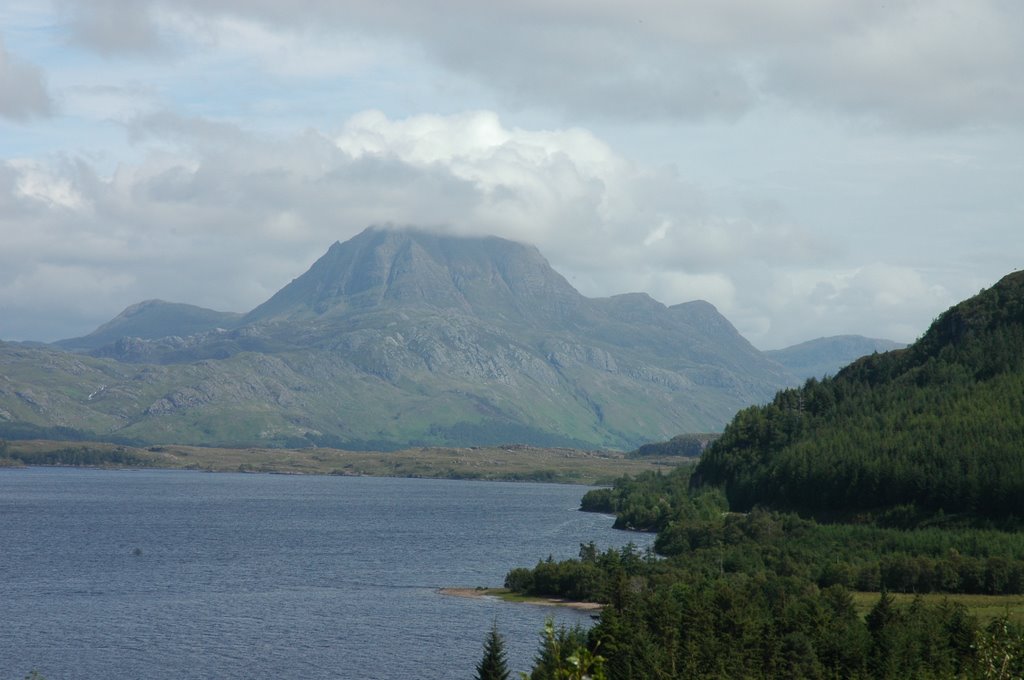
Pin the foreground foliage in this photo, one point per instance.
(904, 473)
(493, 665)
(768, 595)
(565, 655)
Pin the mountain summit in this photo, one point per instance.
(409, 268)
(400, 337)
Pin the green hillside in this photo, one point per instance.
(938, 426)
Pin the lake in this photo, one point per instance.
(175, 574)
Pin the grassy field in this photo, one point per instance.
(983, 607)
(507, 463)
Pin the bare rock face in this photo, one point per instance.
(403, 337)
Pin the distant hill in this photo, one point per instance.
(151, 320)
(398, 338)
(825, 356)
(938, 426)
(811, 359)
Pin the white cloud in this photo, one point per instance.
(292, 53)
(919, 65)
(912, 63)
(109, 102)
(23, 91)
(221, 217)
(113, 27)
(814, 137)
(878, 299)
(51, 186)
(569, 193)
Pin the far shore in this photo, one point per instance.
(485, 463)
(509, 596)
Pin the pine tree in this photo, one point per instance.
(493, 666)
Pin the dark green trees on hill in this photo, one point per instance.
(936, 427)
(765, 594)
(901, 474)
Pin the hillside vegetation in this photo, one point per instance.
(765, 594)
(778, 553)
(936, 427)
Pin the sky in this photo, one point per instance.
(810, 167)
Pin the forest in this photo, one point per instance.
(901, 474)
(937, 427)
(768, 594)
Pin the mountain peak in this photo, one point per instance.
(398, 267)
(401, 335)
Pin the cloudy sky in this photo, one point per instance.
(811, 167)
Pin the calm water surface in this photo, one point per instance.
(170, 574)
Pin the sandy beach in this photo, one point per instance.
(509, 596)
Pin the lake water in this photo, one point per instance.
(172, 574)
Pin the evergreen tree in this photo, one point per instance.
(883, 624)
(493, 665)
(564, 655)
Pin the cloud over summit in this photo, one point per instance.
(810, 167)
(279, 201)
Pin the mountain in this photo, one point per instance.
(400, 337)
(825, 356)
(937, 427)
(151, 320)
(484, 277)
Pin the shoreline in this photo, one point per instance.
(509, 463)
(508, 596)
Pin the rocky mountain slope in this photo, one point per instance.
(400, 337)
